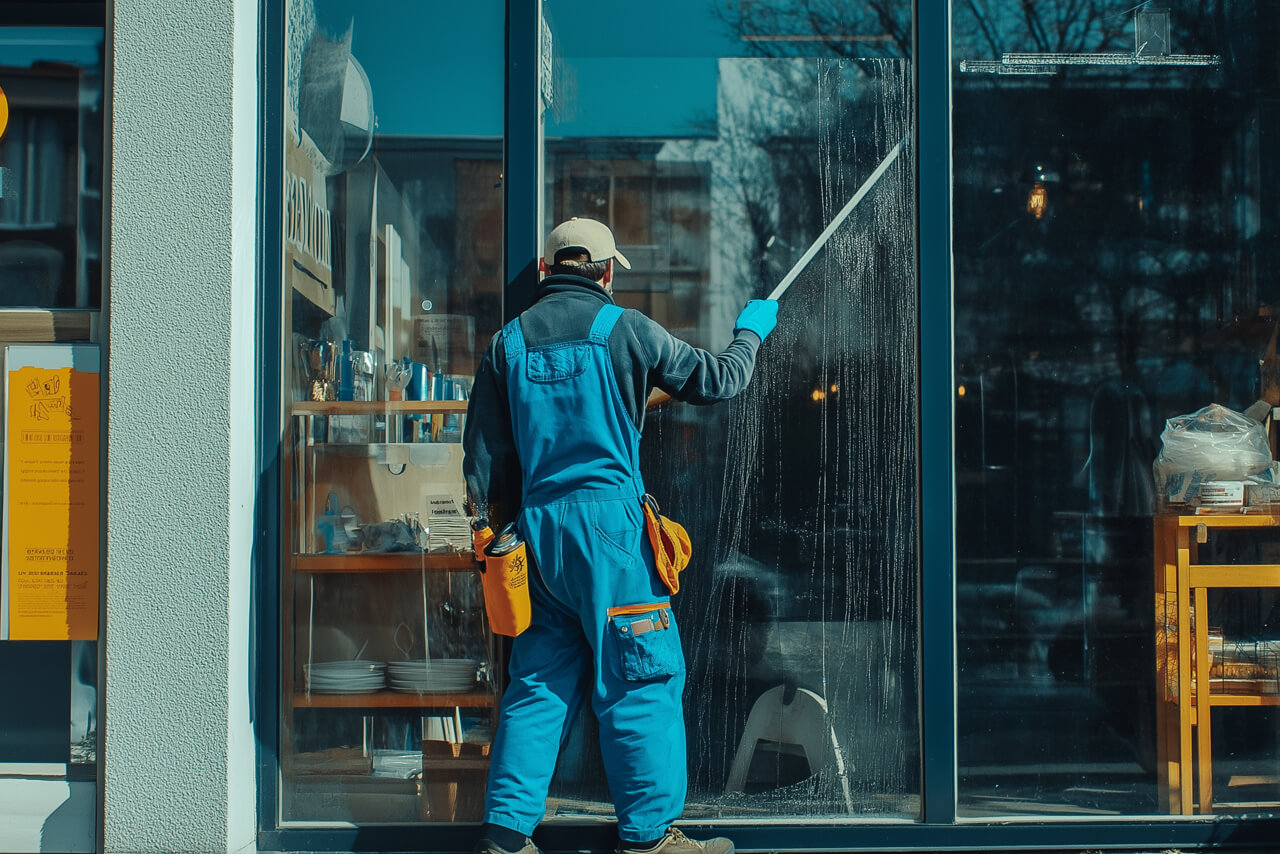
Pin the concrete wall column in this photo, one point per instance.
(179, 746)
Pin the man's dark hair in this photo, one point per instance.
(574, 262)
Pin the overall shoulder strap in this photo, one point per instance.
(513, 339)
(604, 322)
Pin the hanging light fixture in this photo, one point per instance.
(1038, 197)
(1038, 200)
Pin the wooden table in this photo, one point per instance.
(1182, 650)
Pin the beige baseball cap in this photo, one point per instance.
(589, 235)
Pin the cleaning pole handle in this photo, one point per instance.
(835, 223)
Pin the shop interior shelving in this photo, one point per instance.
(1182, 585)
(307, 562)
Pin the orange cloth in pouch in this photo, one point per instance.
(479, 539)
(670, 541)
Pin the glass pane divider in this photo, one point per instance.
(937, 552)
(522, 156)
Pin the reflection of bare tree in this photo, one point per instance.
(883, 28)
(774, 185)
(1052, 26)
(1086, 323)
(768, 124)
(874, 28)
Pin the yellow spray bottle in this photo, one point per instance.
(506, 578)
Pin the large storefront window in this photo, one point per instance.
(1114, 267)
(391, 283)
(51, 182)
(719, 150)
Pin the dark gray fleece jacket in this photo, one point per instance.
(645, 356)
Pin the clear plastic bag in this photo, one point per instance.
(1211, 444)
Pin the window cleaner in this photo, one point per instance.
(556, 403)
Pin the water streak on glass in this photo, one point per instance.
(800, 495)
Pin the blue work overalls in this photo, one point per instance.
(602, 621)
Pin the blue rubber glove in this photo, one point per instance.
(759, 316)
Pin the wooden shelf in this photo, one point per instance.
(1225, 517)
(460, 763)
(1225, 699)
(371, 407)
(392, 562)
(393, 700)
(1238, 575)
(1182, 584)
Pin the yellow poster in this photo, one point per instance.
(51, 526)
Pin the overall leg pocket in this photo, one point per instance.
(647, 641)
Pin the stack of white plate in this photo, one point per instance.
(345, 677)
(436, 675)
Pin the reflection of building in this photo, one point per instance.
(50, 180)
(408, 226)
(660, 209)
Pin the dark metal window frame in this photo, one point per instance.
(53, 14)
(939, 828)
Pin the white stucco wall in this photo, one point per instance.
(179, 744)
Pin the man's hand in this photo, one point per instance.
(759, 316)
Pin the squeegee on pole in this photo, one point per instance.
(835, 223)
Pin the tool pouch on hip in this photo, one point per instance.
(647, 641)
(506, 583)
(670, 541)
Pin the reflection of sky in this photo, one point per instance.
(21, 47)
(636, 69)
(627, 69)
(436, 69)
(654, 28)
(634, 97)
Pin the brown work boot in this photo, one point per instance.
(675, 842)
(488, 846)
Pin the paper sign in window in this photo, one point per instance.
(51, 493)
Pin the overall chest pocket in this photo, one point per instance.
(558, 362)
(647, 641)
